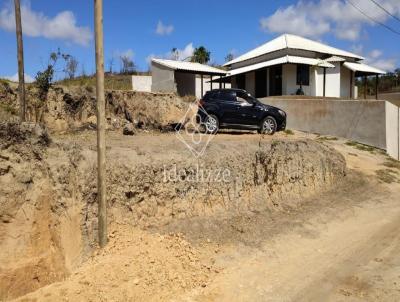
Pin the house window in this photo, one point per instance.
(303, 75)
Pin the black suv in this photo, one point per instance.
(238, 109)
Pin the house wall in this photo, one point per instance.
(289, 86)
(185, 83)
(333, 81)
(233, 82)
(141, 83)
(319, 81)
(163, 79)
(345, 75)
(349, 119)
(250, 82)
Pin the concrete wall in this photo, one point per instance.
(393, 130)
(361, 121)
(141, 83)
(163, 79)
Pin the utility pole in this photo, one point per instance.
(21, 73)
(101, 140)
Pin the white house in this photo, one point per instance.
(282, 65)
(184, 78)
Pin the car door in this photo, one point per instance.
(229, 105)
(248, 113)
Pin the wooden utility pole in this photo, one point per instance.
(101, 141)
(21, 73)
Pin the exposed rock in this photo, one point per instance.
(129, 129)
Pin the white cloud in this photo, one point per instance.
(163, 29)
(36, 24)
(375, 58)
(181, 54)
(314, 19)
(14, 78)
(376, 53)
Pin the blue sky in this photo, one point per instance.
(142, 29)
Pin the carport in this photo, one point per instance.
(364, 71)
(180, 76)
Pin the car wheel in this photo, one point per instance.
(211, 124)
(268, 126)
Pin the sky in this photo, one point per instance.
(151, 28)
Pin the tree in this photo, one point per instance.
(83, 70)
(21, 73)
(201, 55)
(71, 65)
(127, 65)
(101, 120)
(111, 64)
(229, 57)
(43, 83)
(175, 54)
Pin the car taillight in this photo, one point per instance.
(201, 103)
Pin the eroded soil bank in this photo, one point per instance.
(48, 204)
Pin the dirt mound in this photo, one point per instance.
(74, 108)
(136, 266)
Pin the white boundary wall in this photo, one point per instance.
(375, 123)
(141, 83)
(392, 130)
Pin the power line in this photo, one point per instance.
(372, 19)
(385, 10)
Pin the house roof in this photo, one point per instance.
(363, 68)
(288, 41)
(335, 59)
(281, 60)
(190, 67)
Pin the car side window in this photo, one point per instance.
(227, 96)
(243, 97)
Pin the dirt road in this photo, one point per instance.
(345, 249)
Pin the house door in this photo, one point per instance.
(261, 83)
(275, 80)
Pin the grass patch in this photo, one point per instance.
(288, 132)
(327, 138)
(361, 147)
(392, 163)
(387, 175)
(353, 154)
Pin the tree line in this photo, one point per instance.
(389, 82)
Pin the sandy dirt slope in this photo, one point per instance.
(341, 245)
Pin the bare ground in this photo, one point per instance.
(339, 245)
